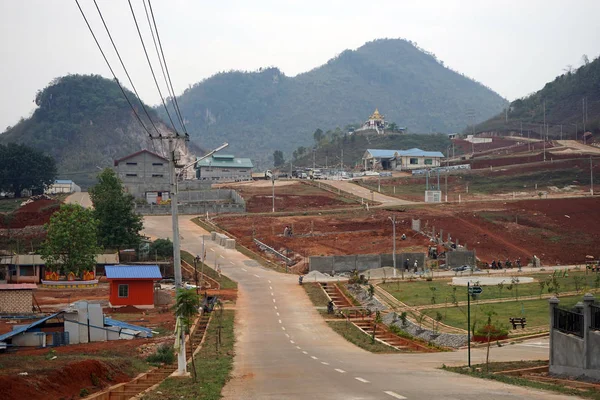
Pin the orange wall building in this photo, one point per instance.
(132, 285)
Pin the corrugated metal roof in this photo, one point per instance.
(132, 272)
(225, 162)
(125, 325)
(383, 153)
(17, 286)
(25, 328)
(63, 181)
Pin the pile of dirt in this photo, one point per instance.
(126, 310)
(35, 213)
(63, 383)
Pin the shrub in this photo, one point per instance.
(84, 392)
(162, 248)
(164, 354)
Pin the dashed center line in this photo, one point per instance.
(299, 348)
(269, 281)
(288, 336)
(280, 321)
(292, 342)
(305, 352)
(221, 256)
(272, 294)
(270, 287)
(231, 262)
(256, 276)
(274, 306)
(394, 395)
(358, 378)
(277, 314)
(273, 300)
(244, 269)
(324, 363)
(314, 358)
(283, 327)
(341, 371)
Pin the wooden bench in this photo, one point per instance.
(518, 321)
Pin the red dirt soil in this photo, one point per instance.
(559, 231)
(35, 213)
(63, 383)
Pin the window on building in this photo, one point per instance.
(414, 161)
(157, 175)
(428, 161)
(130, 174)
(131, 163)
(225, 170)
(26, 270)
(157, 164)
(123, 290)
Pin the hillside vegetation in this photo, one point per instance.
(564, 106)
(259, 112)
(83, 121)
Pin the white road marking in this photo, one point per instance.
(305, 352)
(269, 281)
(275, 307)
(358, 378)
(341, 371)
(270, 287)
(288, 336)
(299, 348)
(292, 342)
(221, 256)
(314, 358)
(256, 276)
(280, 321)
(244, 269)
(272, 294)
(231, 262)
(283, 327)
(324, 363)
(273, 300)
(394, 395)
(277, 314)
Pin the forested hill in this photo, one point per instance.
(564, 100)
(258, 112)
(83, 121)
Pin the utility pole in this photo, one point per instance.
(521, 128)
(543, 138)
(469, 321)
(447, 167)
(560, 131)
(591, 176)
(273, 190)
(181, 358)
(203, 262)
(393, 219)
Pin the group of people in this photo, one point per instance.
(507, 264)
(287, 232)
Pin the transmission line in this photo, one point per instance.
(125, 69)
(167, 69)
(151, 69)
(112, 72)
(160, 61)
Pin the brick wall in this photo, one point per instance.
(16, 301)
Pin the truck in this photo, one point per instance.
(267, 175)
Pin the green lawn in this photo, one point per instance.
(421, 293)
(536, 312)
(225, 282)
(213, 368)
(356, 336)
(9, 205)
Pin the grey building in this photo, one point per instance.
(145, 175)
(224, 168)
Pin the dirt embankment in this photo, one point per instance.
(32, 214)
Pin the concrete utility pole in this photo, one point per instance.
(393, 219)
(273, 190)
(181, 358)
(591, 176)
(560, 131)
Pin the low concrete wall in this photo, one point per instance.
(567, 351)
(411, 257)
(363, 262)
(211, 208)
(458, 258)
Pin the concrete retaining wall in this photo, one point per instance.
(459, 258)
(211, 208)
(362, 262)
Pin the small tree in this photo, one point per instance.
(377, 320)
(278, 159)
(23, 167)
(541, 284)
(489, 314)
(162, 248)
(500, 287)
(187, 304)
(454, 298)
(71, 240)
(596, 282)
(403, 317)
(438, 319)
(371, 290)
(577, 281)
(433, 294)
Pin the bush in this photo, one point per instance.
(84, 392)
(161, 248)
(496, 333)
(164, 354)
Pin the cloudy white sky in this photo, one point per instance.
(513, 47)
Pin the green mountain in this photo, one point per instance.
(84, 121)
(259, 112)
(564, 99)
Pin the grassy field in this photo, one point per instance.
(536, 312)
(225, 282)
(357, 337)
(478, 371)
(9, 205)
(316, 294)
(213, 368)
(421, 292)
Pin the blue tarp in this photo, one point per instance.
(25, 328)
(125, 325)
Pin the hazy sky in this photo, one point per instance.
(513, 47)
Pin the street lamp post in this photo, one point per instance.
(273, 190)
(591, 176)
(393, 219)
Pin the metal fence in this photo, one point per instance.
(595, 320)
(568, 322)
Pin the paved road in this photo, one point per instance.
(81, 198)
(356, 190)
(578, 146)
(285, 350)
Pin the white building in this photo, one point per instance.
(224, 168)
(401, 160)
(62, 186)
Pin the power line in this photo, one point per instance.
(111, 70)
(125, 69)
(167, 69)
(151, 69)
(161, 61)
